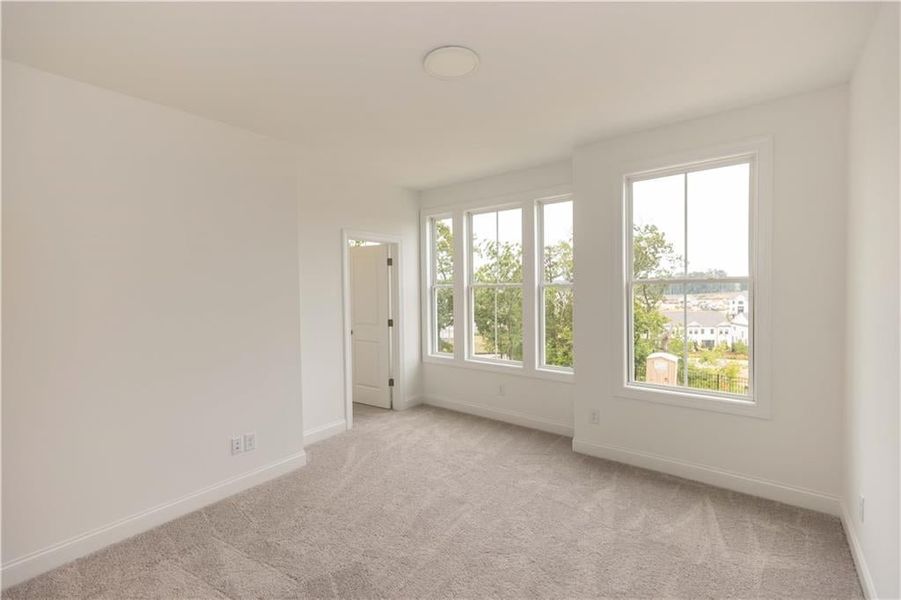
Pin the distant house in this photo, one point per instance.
(738, 304)
(708, 328)
(740, 328)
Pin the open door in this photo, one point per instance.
(370, 331)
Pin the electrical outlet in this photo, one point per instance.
(860, 508)
(237, 445)
(250, 441)
(595, 417)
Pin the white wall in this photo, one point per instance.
(528, 401)
(330, 201)
(796, 454)
(150, 294)
(872, 454)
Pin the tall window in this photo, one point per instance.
(496, 277)
(689, 282)
(555, 285)
(442, 285)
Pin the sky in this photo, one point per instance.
(717, 211)
(558, 224)
(717, 216)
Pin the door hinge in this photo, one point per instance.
(391, 382)
(390, 322)
(390, 261)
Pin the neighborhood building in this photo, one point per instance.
(738, 304)
(708, 328)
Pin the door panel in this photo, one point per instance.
(366, 363)
(369, 323)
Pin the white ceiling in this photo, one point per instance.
(345, 81)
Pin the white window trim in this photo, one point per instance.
(471, 287)
(542, 284)
(527, 201)
(433, 286)
(760, 241)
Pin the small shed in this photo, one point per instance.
(662, 368)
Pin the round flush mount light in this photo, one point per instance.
(450, 62)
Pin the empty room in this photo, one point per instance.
(450, 300)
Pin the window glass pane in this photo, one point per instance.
(658, 333)
(695, 335)
(444, 320)
(658, 227)
(557, 228)
(718, 336)
(497, 327)
(558, 326)
(443, 240)
(706, 324)
(718, 212)
(484, 247)
(509, 226)
(497, 247)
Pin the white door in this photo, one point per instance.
(370, 333)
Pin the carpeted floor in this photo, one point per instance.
(430, 503)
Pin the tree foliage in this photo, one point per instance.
(558, 304)
(497, 311)
(444, 273)
(652, 256)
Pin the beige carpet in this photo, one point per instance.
(429, 503)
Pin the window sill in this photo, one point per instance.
(438, 358)
(747, 408)
(564, 375)
(516, 370)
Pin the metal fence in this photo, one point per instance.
(717, 381)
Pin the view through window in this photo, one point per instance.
(555, 290)
(496, 285)
(442, 292)
(690, 312)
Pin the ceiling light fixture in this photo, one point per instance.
(450, 62)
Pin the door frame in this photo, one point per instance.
(396, 289)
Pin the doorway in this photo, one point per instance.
(372, 321)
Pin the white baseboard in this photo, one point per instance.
(317, 434)
(863, 572)
(729, 480)
(41, 561)
(499, 414)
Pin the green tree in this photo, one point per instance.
(444, 251)
(711, 356)
(558, 305)
(652, 256)
(676, 343)
(498, 311)
(444, 273)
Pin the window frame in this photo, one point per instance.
(758, 153)
(541, 285)
(434, 285)
(472, 286)
(527, 201)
